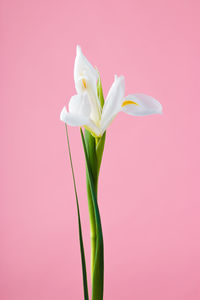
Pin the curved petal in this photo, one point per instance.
(141, 105)
(80, 104)
(86, 77)
(79, 111)
(79, 114)
(72, 119)
(113, 102)
(84, 73)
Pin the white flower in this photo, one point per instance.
(85, 109)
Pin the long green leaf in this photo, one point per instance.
(91, 150)
(98, 275)
(90, 143)
(84, 271)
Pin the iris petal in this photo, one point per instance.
(147, 105)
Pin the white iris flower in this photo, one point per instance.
(84, 108)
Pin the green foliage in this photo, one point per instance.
(98, 271)
(84, 271)
(100, 92)
(99, 151)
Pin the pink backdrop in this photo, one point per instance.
(149, 183)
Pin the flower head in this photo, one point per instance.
(84, 108)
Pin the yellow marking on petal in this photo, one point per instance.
(127, 102)
(84, 83)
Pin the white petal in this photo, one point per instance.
(84, 70)
(145, 105)
(80, 104)
(79, 111)
(79, 114)
(86, 77)
(113, 102)
(72, 119)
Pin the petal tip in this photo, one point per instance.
(160, 110)
(78, 50)
(63, 114)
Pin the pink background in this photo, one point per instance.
(149, 184)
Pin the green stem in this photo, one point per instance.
(91, 150)
(93, 235)
(98, 273)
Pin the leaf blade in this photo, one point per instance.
(84, 271)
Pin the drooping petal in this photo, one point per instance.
(80, 104)
(79, 114)
(72, 119)
(141, 105)
(79, 111)
(113, 102)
